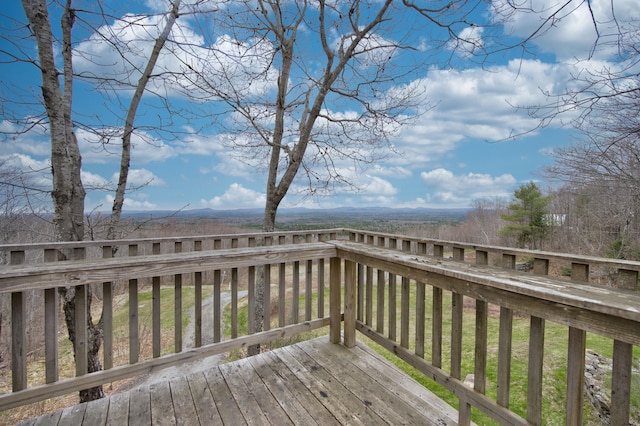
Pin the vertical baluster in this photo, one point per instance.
(266, 298)
(217, 284)
(534, 382)
(18, 332)
(361, 290)
(107, 314)
(380, 302)
(505, 344)
(437, 316)
(369, 296)
(392, 307)
(51, 306)
(155, 314)
(295, 303)
(577, 345)
(282, 293)
(458, 254)
(234, 303)
(251, 293)
(405, 295)
(405, 290)
(622, 362)
(457, 300)
(320, 288)
(177, 300)
(308, 291)
(197, 246)
(82, 318)
(482, 323)
(134, 338)
(421, 250)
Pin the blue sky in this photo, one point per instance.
(456, 152)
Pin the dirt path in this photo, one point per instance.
(189, 342)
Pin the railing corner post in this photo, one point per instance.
(349, 303)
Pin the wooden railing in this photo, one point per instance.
(377, 261)
(204, 263)
(390, 284)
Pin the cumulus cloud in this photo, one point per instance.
(236, 197)
(145, 148)
(445, 188)
(571, 33)
(468, 42)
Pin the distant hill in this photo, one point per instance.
(305, 218)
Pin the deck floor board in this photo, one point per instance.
(312, 382)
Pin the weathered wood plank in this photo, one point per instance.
(269, 406)
(72, 416)
(246, 401)
(203, 400)
(183, 404)
(309, 400)
(140, 406)
(333, 395)
(225, 402)
(118, 413)
(286, 392)
(162, 412)
(48, 419)
(387, 398)
(96, 412)
(412, 392)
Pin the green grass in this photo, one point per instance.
(167, 319)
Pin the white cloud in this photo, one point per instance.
(468, 42)
(477, 104)
(140, 177)
(445, 188)
(571, 32)
(144, 147)
(236, 197)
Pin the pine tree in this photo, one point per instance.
(527, 217)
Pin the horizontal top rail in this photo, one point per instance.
(607, 311)
(564, 257)
(124, 242)
(78, 272)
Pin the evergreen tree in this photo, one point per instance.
(527, 216)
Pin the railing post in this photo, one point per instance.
(335, 311)
(349, 304)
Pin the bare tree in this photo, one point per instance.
(68, 192)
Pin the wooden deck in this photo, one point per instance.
(313, 382)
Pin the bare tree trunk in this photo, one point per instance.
(68, 192)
